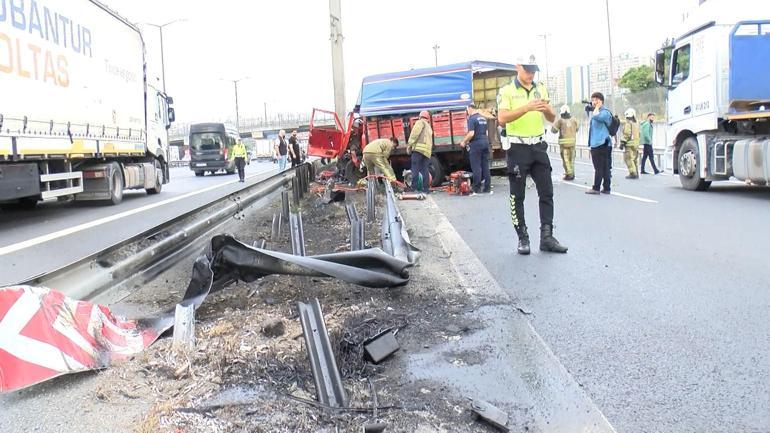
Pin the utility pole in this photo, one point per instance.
(265, 112)
(162, 54)
(435, 52)
(609, 40)
(547, 74)
(338, 63)
(237, 114)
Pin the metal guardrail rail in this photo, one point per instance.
(101, 272)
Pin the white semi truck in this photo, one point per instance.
(79, 117)
(718, 75)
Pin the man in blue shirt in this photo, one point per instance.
(479, 150)
(601, 144)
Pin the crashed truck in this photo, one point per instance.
(79, 116)
(389, 104)
(719, 96)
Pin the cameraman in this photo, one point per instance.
(601, 144)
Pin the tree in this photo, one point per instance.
(638, 79)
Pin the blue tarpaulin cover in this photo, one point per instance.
(439, 88)
(750, 61)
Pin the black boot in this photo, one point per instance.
(548, 242)
(523, 247)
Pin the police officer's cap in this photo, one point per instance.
(529, 64)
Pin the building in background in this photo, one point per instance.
(576, 83)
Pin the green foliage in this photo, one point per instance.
(638, 79)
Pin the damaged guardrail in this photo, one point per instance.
(73, 336)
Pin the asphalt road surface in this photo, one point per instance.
(659, 310)
(55, 234)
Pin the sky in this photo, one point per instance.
(282, 47)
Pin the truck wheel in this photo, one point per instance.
(689, 167)
(116, 185)
(159, 178)
(200, 173)
(436, 172)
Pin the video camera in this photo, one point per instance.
(588, 107)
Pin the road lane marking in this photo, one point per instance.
(8, 249)
(630, 197)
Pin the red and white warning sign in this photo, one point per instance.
(44, 334)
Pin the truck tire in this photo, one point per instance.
(689, 166)
(159, 180)
(200, 173)
(116, 185)
(436, 170)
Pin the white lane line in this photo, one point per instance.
(8, 249)
(618, 194)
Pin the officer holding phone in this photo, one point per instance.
(522, 107)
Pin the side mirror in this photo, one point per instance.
(169, 100)
(171, 115)
(662, 57)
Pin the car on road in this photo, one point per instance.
(210, 145)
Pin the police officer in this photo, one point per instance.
(239, 154)
(567, 128)
(521, 106)
(478, 150)
(629, 142)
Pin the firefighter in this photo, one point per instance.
(567, 128)
(376, 154)
(420, 147)
(521, 106)
(239, 154)
(630, 143)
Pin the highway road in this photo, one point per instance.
(659, 310)
(55, 234)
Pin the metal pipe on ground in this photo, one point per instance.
(297, 234)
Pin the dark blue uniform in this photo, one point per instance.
(479, 153)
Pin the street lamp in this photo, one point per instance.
(545, 37)
(235, 85)
(435, 52)
(162, 55)
(609, 40)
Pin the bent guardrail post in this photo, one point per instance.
(297, 234)
(326, 374)
(285, 205)
(371, 193)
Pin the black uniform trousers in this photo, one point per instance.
(530, 160)
(240, 164)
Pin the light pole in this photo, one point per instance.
(609, 40)
(435, 52)
(237, 114)
(162, 54)
(545, 37)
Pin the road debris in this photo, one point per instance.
(381, 346)
(490, 414)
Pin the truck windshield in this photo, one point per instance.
(206, 141)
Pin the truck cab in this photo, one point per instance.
(718, 105)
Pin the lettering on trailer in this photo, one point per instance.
(44, 60)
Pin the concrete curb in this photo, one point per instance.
(519, 373)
